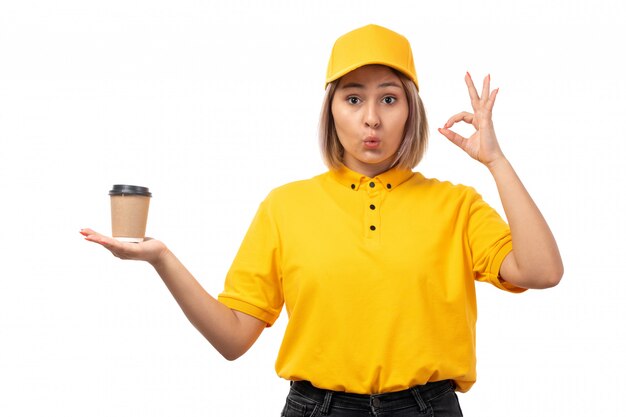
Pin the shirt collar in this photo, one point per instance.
(388, 180)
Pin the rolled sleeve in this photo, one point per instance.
(493, 274)
(253, 283)
(267, 316)
(490, 242)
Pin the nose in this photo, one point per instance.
(372, 118)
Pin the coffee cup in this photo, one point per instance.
(129, 212)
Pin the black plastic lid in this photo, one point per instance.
(123, 189)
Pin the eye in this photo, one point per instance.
(353, 100)
(389, 100)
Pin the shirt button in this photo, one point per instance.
(389, 186)
(373, 207)
(353, 186)
(372, 227)
(372, 184)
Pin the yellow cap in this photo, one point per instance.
(371, 44)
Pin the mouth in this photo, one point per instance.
(371, 142)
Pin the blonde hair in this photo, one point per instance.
(413, 145)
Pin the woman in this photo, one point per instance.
(375, 263)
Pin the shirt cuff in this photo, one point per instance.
(494, 270)
(249, 309)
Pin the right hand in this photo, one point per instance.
(150, 250)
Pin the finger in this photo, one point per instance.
(122, 250)
(472, 90)
(486, 86)
(93, 236)
(453, 137)
(463, 116)
(492, 99)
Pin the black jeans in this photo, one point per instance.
(435, 399)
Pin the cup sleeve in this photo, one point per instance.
(253, 284)
(490, 242)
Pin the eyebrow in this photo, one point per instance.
(382, 85)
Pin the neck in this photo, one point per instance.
(369, 170)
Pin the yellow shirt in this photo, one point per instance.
(377, 276)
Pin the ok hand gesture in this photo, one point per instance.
(483, 144)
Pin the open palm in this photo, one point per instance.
(149, 250)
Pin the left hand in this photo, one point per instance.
(483, 144)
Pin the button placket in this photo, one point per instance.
(372, 217)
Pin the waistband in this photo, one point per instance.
(420, 394)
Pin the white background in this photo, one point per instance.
(212, 105)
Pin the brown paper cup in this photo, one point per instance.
(129, 212)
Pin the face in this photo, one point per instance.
(370, 110)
